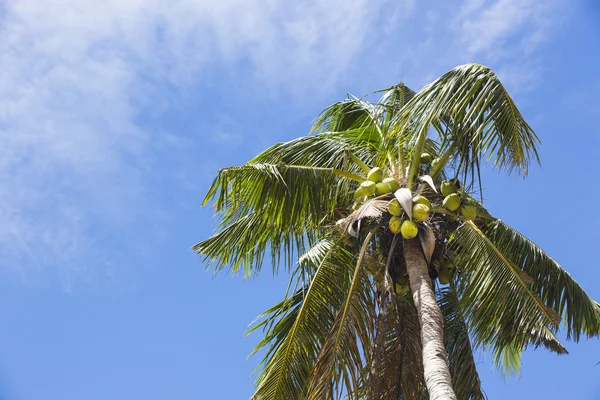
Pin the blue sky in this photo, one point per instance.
(115, 115)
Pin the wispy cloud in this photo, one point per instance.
(508, 34)
(487, 26)
(73, 160)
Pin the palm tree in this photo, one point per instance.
(374, 313)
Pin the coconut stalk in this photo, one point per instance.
(437, 374)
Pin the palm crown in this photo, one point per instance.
(352, 322)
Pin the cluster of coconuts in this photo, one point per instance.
(375, 185)
(454, 202)
(420, 212)
(407, 228)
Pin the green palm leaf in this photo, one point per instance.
(581, 314)
(502, 312)
(340, 361)
(325, 150)
(298, 339)
(267, 207)
(482, 121)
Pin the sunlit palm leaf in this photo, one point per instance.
(339, 366)
(554, 285)
(483, 121)
(325, 150)
(503, 313)
(267, 207)
(277, 321)
(298, 340)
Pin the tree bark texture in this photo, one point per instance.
(435, 364)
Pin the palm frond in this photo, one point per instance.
(277, 321)
(501, 310)
(339, 365)
(325, 150)
(349, 114)
(297, 337)
(551, 283)
(465, 379)
(484, 122)
(267, 207)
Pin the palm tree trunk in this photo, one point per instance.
(435, 365)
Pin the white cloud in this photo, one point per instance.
(76, 74)
(484, 26)
(507, 34)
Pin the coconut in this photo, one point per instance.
(394, 184)
(375, 175)
(359, 193)
(369, 188)
(445, 275)
(420, 212)
(383, 188)
(409, 230)
(425, 158)
(395, 208)
(447, 188)
(418, 199)
(395, 224)
(468, 212)
(452, 202)
(435, 163)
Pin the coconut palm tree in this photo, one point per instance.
(394, 283)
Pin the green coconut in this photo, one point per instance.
(418, 199)
(369, 188)
(447, 188)
(395, 208)
(425, 158)
(359, 193)
(395, 225)
(435, 163)
(409, 229)
(468, 212)
(375, 175)
(383, 188)
(452, 202)
(445, 274)
(420, 212)
(394, 184)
